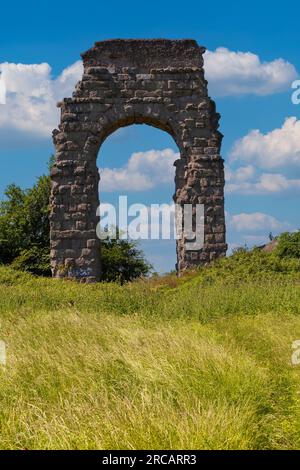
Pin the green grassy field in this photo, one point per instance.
(201, 362)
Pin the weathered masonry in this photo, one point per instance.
(157, 82)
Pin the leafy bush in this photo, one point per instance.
(122, 261)
(24, 219)
(289, 245)
(35, 260)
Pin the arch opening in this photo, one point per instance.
(135, 120)
(136, 162)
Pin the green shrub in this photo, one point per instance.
(24, 219)
(35, 260)
(122, 261)
(289, 245)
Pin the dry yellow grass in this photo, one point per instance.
(201, 363)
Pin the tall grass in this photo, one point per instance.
(199, 362)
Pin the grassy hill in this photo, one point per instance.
(203, 361)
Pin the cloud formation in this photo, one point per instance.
(266, 183)
(277, 148)
(256, 222)
(252, 229)
(239, 73)
(32, 94)
(240, 175)
(143, 171)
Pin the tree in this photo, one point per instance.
(288, 245)
(24, 226)
(25, 236)
(122, 260)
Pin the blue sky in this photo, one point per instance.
(251, 91)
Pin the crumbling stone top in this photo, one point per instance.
(145, 53)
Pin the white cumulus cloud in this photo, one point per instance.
(277, 148)
(256, 222)
(267, 183)
(240, 175)
(237, 73)
(143, 171)
(260, 154)
(32, 94)
(253, 228)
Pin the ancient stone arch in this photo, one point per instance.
(157, 82)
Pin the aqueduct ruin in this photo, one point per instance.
(157, 82)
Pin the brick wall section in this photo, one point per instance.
(156, 82)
